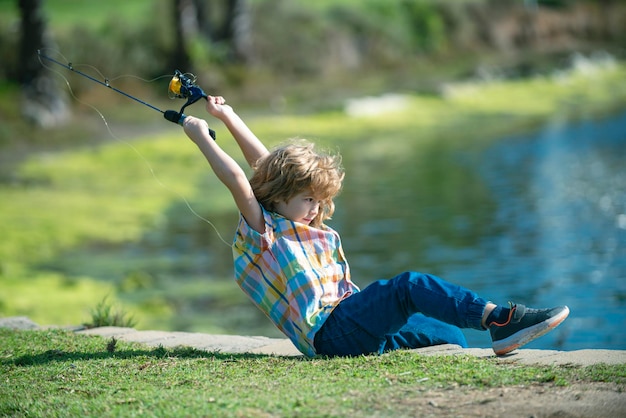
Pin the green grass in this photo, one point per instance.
(93, 199)
(88, 13)
(107, 315)
(58, 373)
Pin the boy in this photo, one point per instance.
(293, 267)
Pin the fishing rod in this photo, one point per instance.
(181, 86)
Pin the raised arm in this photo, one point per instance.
(250, 145)
(228, 171)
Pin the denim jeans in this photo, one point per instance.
(411, 310)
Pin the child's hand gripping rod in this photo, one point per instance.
(182, 86)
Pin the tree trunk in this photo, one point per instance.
(226, 22)
(32, 31)
(239, 30)
(234, 30)
(42, 101)
(180, 56)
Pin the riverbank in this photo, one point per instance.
(53, 372)
(237, 344)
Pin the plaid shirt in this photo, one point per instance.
(294, 273)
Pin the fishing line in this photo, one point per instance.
(107, 83)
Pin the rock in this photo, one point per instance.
(18, 322)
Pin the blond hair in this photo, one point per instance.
(297, 167)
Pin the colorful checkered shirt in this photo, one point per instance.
(294, 273)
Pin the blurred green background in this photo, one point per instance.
(96, 190)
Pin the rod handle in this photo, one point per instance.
(179, 118)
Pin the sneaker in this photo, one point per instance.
(523, 326)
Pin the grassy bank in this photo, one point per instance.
(57, 373)
(90, 218)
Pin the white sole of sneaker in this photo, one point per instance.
(527, 335)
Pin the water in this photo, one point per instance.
(538, 219)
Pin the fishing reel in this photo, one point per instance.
(183, 86)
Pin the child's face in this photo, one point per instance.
(302, 208)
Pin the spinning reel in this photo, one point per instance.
(183, 86)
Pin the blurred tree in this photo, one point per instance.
(185, 18)
(42, 101)
(220, 25)
(233, 28)
(32, 32)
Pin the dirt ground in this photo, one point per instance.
(538, 401)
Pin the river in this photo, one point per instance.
(538, 219)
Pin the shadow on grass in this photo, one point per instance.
(158, 352)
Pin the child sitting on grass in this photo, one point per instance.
(294, 269)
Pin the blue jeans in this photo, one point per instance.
(411, 310)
